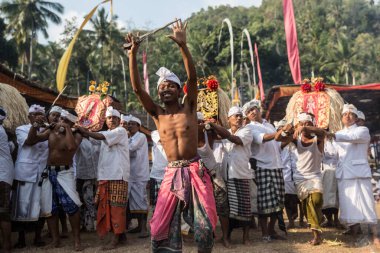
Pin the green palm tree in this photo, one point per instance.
(28, 17)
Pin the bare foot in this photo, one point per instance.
(112, 245)
(315, 241)
(226, 243)
(246, 242)
(53, 245)
(78, 247)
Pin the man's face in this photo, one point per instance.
(236, 120)
(254, 114)
(54, 117)
(133, 127)
(306, 123)
(348, 119)
(168, 91)
(360, 122)
(33, 116)
(112, 122)
(124, 124)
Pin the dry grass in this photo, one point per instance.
(334, 241)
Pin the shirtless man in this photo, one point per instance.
(178, 129)
(63, 143)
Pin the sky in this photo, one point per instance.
(146, 14)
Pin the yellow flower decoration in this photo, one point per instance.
(92, 82)
(99, 88)
(91, 88)
(104, 89)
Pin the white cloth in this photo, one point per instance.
(26, 202)
(361, 115)
(289, 156)
(349, 108)
(267, 153)
(31, 160)
(55, 109)
(303, 116)
(130, 117)
(6, 162)
(138, 154)
(159, 160)
(238, 155)
(309, 161)
(352, 145)
(114, 155)
(329, 182)
(86, 158)
(112, 112)
(356, 202)
(138, 197)
(220, 155)
(234, 110)
(200, 116)
(36, 108)
(69, 116)
(249, 105)
(167, 75)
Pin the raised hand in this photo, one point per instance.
(179, 33)
(134, 39)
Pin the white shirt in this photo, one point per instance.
(159, 160)
(86, 158)
(309, 161)
(330, 154)
(6, 163)
(138, 154)
(31, 160)
(352, 145)
(289, 156)
(267, 153)
(238, 155)
(114, 155)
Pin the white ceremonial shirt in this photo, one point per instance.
(159, 160)
(6, 163)
(267, 154)
(330, 155)
(31, 160)
(86, 158)
(114, 155)
(138, 154)
(238, 155)
(352, 145)
(289, 156)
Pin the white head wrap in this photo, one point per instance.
(124, 118)
(280, 123)
(361, 115)
(249, 105)
(349, 108)
(167, 75)
(234, 110)
(2, 117)
(303, 116)
(36, 108)
(55, 109)
(112, 112)
(200, 116)
(69, 116)
(130, 117)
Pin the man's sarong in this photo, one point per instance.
(291, 205)
(87, 189)
(64, 190)
(239, 199)
(5, 191)
(26, 201)
(270, 190)
(186, 188)
(138, 197)
(312, 207)
(111, 198)
(154, 187)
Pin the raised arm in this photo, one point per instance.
(225, 134)
(141, 94)
(179, 37)
(34, 136)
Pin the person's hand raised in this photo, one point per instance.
(134, 40)
(179, 33)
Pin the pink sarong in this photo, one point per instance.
(188, 182)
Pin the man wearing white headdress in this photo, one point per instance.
(309, 141)
(30, 163)
(6, 180)
(113, 176)
(266, 161)
(185, 177)
(58, 180)
(356, 202)
(139, 176)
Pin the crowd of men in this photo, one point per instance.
(200, 171)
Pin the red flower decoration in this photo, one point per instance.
(319, 86)
(185, 89)
(306, 87)
(212, 84)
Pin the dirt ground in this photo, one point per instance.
(296, 241)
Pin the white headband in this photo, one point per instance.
(349, 108)
(124, 118)
(234, 110)
(112, 112)
(133, 118)
(55, 109)
(361, 115)
(36, 108)
(69, 116)
(167, 75)
(280, 123)
(200, 116)
(303, 116)
(249, 105)
(2, 117)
